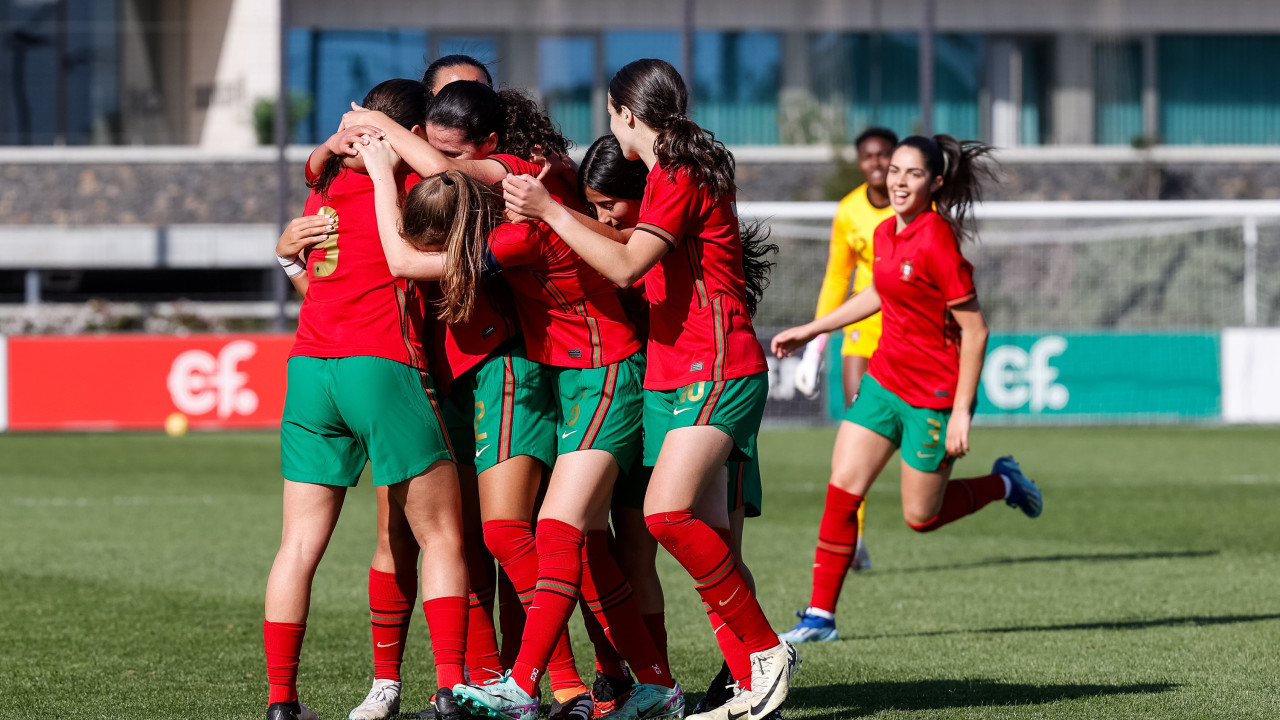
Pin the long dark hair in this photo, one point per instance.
(475, 109)
(454, 213)
(401, 99)
(448, 61)
(657, 96)
(607, 171)
(963, 165)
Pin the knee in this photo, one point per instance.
(920, 521)
(508, 540)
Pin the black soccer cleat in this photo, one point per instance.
(719, 692)
(577, 707)
(290, 711)
(609, 693)
(446, 707)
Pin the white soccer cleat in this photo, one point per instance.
(382, 702)
(771, 672)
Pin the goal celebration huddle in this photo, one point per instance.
(552, 371)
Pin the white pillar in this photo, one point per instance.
(234, 62)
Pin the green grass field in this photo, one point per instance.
(132, 569)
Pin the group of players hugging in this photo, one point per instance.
(524, 351)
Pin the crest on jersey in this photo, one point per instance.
(906, 270)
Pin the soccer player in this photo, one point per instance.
(359, 393)
(574, 324)
(707, 380)
(850, 256)
(921, 387)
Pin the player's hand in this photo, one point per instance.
(360, 116)
(958, 434)
(302, 233)
(788, 341)
(345, 141)
(380, 159)
(527, 196)
(810, 367)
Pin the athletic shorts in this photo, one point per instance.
(502, 408)
(920, 432)
(861, 338)
(340, 413)
(601, 408)
(745, 488)
(735, 406)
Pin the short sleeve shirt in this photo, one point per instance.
(920, 275)
(699, 327)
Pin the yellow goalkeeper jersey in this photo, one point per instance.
(850, 259)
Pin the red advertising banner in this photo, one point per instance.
(133, 382)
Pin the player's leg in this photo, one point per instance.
(855, 365)
(735, 671)
(393, 587)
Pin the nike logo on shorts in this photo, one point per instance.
(925, 456)
(677, 412)
(486, 447)
(565, 435)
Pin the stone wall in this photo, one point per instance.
(157, 193)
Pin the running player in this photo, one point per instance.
(919, 392)
(359, 393)
(574, 324)
(707, 380)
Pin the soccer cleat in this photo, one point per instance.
(382, 702)
(502, 699)
(771, 672)
(578, 707)
(721, 691)
(861, 558)
(652, 702)
(608, 694)
(811, 628)
(290, 711)
(1023, 494)
(735, 707)
(446, 706)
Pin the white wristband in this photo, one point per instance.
(293, 267)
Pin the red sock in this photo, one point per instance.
(964, 497)
(510, 619)
(837, 541)
(656, 624)
(512, 542)
(447, 622)
(558, 590)
(608, 661)
(283, 643)
(391, 599)
(606, 591)
(482, 642)
(715, 574)
(736, 655)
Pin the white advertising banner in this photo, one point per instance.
(1251, 375)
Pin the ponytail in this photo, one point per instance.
(455, 213)
(755, 266)
(657, 96)
(963, 165)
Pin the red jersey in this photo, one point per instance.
(353, 305)
(570, 314)
(919, 274)
(699, 326)
(559, 188)
(460, 347)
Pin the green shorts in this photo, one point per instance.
(600, 409)
(919, 432)
(503, 408)
(745, 489)
(340, 413)
(735, 406)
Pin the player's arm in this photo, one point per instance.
(403, 260)
(973, 351)
(861, 306)
(300, 235)
(623, 261)
(341, 144)
(417, 153)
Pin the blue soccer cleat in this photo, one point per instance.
(811, 628)
(1023, 494)
(502, 699)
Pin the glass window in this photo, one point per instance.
(566, 72)
(623, 46)
(1117, 86)
(1034, 111)
(1219, 89)
(737, 77)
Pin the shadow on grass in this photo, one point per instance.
(1196, 620)
(863, 699)
(1093, 557)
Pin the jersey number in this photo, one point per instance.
(480, 416)
(329, 264)
(935, 427)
